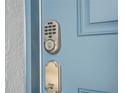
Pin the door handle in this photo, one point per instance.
(52, 77)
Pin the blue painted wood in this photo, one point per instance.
(103, 10)
(28, 46)
(88, 63)
(88, 27)
(32, 46)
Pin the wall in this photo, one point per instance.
(15, 55)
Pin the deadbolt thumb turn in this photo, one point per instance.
(52, 77)
(52, 37)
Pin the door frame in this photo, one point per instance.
(33, 46)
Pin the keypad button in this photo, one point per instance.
(54, 29)
(50, 32)
(50, 36)
(46, 26)
(50, 29)
(46, 33)
(54, 32)
(54, 25)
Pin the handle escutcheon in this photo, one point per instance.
(52, 77)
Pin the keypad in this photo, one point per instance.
(50, 29)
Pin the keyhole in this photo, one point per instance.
(50, 86)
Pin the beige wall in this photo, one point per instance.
(15, 64)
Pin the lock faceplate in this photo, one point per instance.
(52, 77)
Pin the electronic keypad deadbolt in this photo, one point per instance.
(52, 37)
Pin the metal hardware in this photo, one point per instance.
(49, 45)
(52, 77)
(52, 37)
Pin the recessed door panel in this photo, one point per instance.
(96, 19)
(103, 10)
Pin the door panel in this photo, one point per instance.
(92, 20)
(103, 10)
(88, 59)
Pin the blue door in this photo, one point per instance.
(88, 51)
